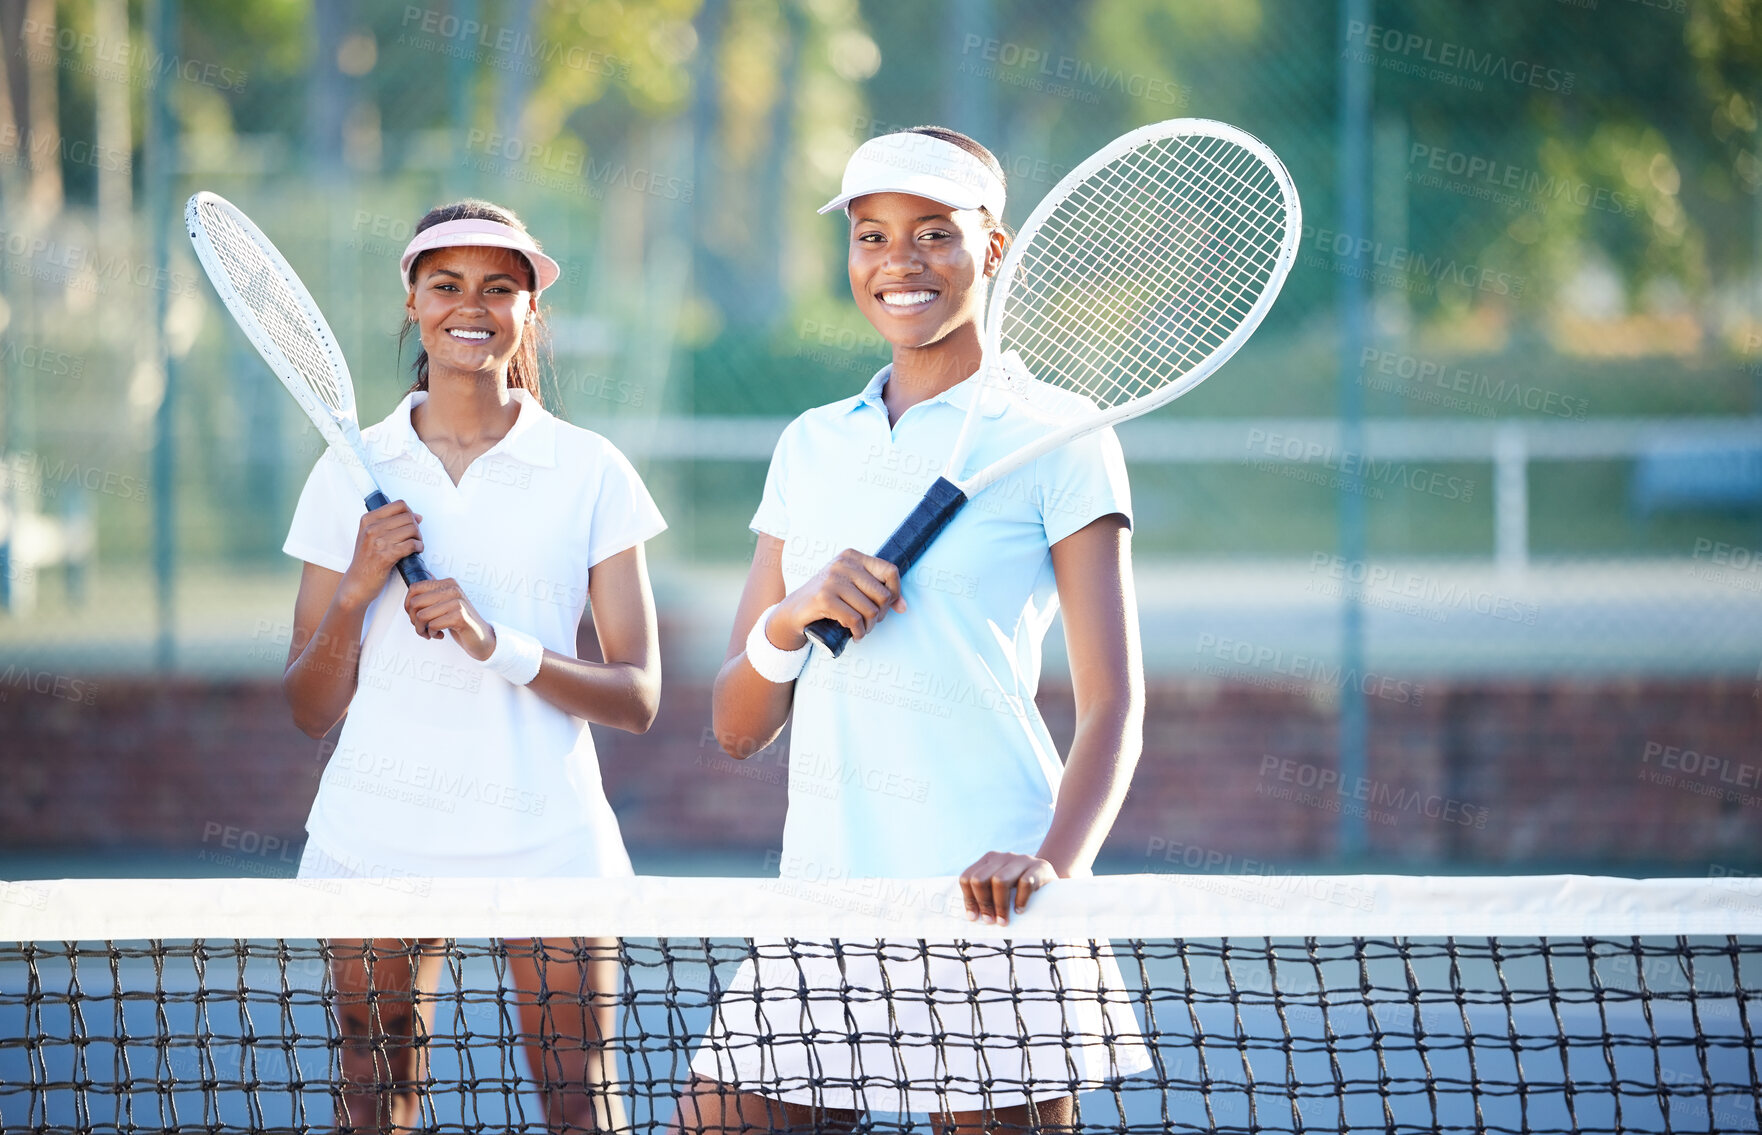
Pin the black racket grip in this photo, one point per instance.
(902, 550)
(410, 567)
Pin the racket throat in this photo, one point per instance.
(920, 529)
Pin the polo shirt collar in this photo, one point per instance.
(533, 439)
(960, 395)
(871, 394)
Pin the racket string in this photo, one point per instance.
(273, 305)
(1184, 288)
(1223, 293)
(1221, 290)
(1147, 268)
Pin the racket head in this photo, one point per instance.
(277, 314)
(1146, 267)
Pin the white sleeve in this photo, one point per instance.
(327, 517)
(1082, 481)
(624, 515)
(772, 518)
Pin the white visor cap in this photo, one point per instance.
(923, 166)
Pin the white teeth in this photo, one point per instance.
(906, 299)
(474, 335)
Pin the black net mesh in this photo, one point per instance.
(1298, 1034)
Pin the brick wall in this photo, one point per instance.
(1470, 773)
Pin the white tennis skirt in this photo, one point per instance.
(572, 859)
(929, 1027)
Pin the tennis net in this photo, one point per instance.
(1154, 1002)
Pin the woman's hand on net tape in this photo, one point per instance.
(1002, 881)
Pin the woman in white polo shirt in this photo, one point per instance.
(919, 752)
(465, 750)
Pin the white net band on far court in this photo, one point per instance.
(1159, 1003)
(1149, 266)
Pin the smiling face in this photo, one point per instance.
(472, 307)
(916, 266)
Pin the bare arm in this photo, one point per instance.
(623, 691)
(748, 711)
(1094, 571)
(324, 655)
(1100, 606)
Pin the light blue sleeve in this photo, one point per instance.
(1081, 481)
(772, 518)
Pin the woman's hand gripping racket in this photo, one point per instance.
(1130, 284)
(277, 314)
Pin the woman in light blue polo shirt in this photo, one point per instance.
(465, 749)
(920, 752)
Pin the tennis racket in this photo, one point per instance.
(277, 314)
(1131, 283)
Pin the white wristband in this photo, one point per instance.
(517, 655)
(773, 663)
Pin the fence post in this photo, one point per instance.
(160, 148)
(1353, 173)
(1511, 500)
